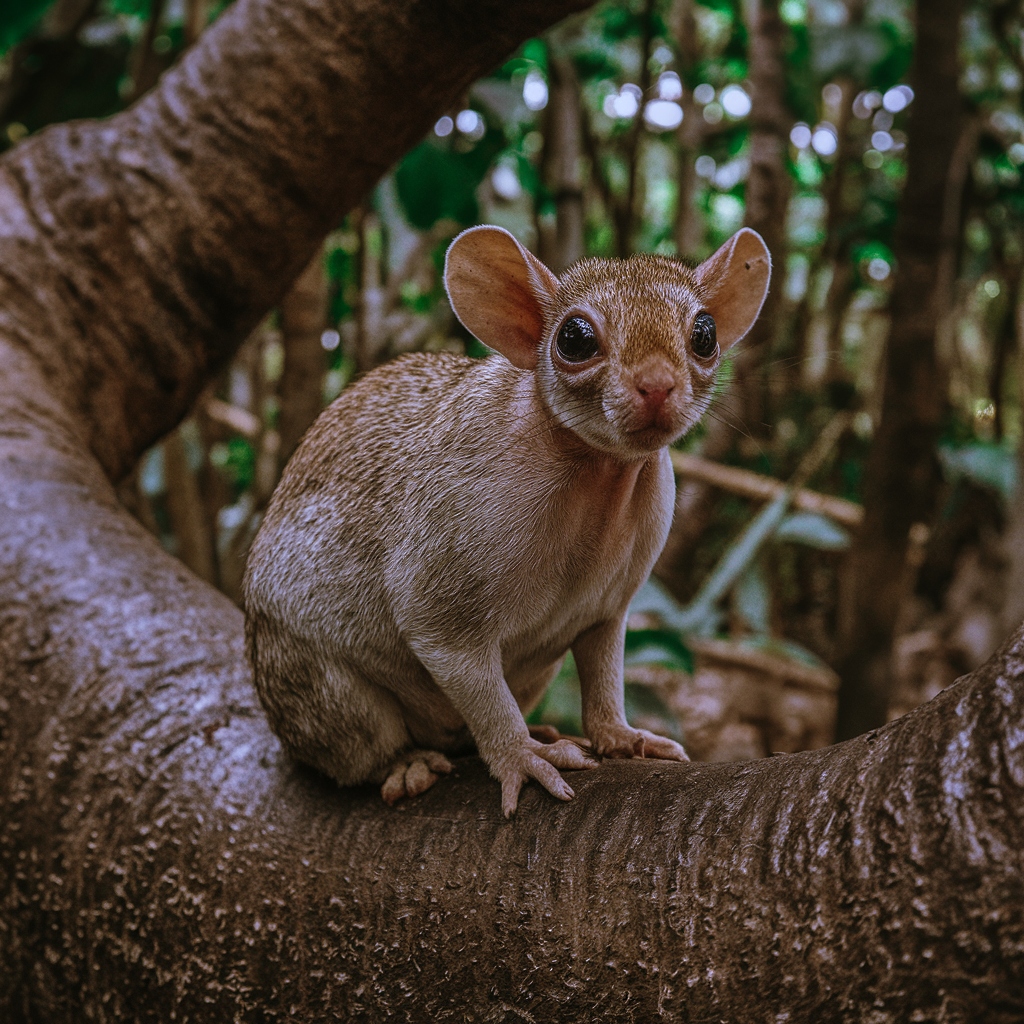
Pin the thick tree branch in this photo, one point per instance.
(157, 852)
(200, 205)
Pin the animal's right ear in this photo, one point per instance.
(500, 292)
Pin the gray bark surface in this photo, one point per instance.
(161, 860)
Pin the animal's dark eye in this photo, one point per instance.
(704, 337)
(577, 340)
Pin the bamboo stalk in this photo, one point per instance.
(241, 421)
(699, 616)
(748, 484)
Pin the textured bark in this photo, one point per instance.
(160, 860)
(202, 203)
(157, 853)
(902, 476)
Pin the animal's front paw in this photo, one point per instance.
(625, 741)
(538, 761)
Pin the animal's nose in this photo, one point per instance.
(654, 381)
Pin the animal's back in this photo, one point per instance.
(343, 497)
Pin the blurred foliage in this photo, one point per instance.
(681, 147)
(18, 18)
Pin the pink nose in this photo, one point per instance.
(654, 382)
(654, 398)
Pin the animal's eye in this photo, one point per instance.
(704, 337)
(577, 340)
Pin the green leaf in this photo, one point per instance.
(435, 182)
(752, 598)
(658, 647)
(814, 530)
(987, 465)
(240, 464)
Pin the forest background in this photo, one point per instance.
(885, 372)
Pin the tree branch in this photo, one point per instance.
(203, 202)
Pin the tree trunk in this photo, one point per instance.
(689, 222)
(1013, 537)
(564, 142)
(767, 192)
(624, 215)
(161, 860)
(189, 522)
(303, 321)
(902, 476)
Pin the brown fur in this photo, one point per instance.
(450, 527)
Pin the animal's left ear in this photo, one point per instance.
(734, 282)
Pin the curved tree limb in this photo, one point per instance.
(138, 252)
(160, 859)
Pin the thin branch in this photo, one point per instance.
(748, 484)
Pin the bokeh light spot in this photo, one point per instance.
(669, 86)
(800, 135)
(882, 141)
(535, 91)
(824, 141)
(735, 101)
(878, 269)
(663, 114)
(704, 93)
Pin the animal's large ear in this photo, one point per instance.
(499, 291)
(734, 282)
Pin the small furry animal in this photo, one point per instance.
(450, 527)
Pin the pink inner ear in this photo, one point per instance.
(497, 290)
(735, 279)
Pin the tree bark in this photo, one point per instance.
(903, 476)
(192, 528)
(767, 191)
(565, 146)
(303, 321)
(161, 860)
(689, 222)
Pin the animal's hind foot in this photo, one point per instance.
(549, 734)
(412, 773)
